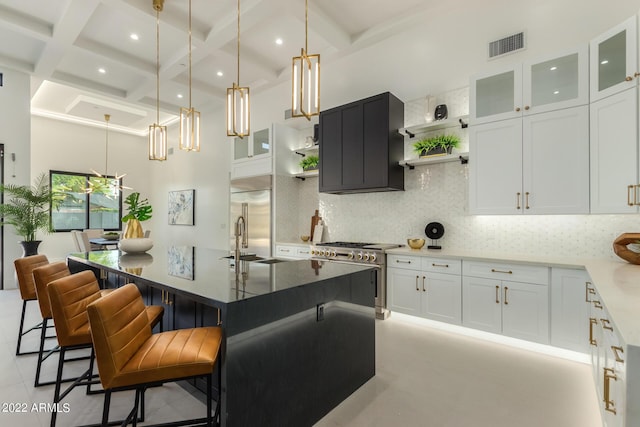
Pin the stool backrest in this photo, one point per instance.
(24, 271)
(119, 327)
(69, 298)
(44, 275)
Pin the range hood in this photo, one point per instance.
(360, 146)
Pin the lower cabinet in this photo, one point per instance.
(509, 307)
(571, 290)
(420, 289)
(293, 251)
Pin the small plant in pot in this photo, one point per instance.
(309, 163)
(138, 211)
(27, 209)
(436, 145)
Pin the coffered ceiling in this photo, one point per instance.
(64, 43)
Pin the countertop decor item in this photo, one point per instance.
(304, 238)
(620, 247)
(415, 243)
(136, 245)
(434, 231)
(138, 211)
(111, 235)
(314, 221)
(436, 145)
(441, 112)
(27, 209)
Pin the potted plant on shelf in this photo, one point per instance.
(28, 210)
(309, 163)
(137, 211)
(436, 145)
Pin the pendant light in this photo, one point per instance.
(305, 82)
(113, 183)
(157, 133)
(189, 117)
(238, 102)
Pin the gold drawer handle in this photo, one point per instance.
(616, 353)
(526, 200)
(588, 290)
(417, 288)
(493, 270)
(518, 200)
(506, 302)
(497, 294)
(399, 261)
(609, 405)
(597, 304)
(423, 289)
(592, 340)
(606, 324)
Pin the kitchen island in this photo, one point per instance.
(299, 336)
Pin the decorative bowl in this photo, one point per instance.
(304, 238)
(110, 236)
(415, 243)
(135, 246)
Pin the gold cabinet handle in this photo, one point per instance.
(588, 290)
(517, 109)
(506, 302)
(635, 195)
(417, 288)
(609, 405)
(219, 317)
(497, 294)
(597, 304)
(493, 270)
(629, 187)
(423, 289)
(628, 79)
(440, 265)
(616, 353)
(526, 198)
(526, 107)
(606, 324)
(401, 261)
(165, 297)
(636, 74)
(518, 200)
(592, 340)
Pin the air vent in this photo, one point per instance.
(506, 45)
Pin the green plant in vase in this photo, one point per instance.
(309, 163)
(436, 145)
(138, 211)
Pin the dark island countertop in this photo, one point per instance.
(207, 276)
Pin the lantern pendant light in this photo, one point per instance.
(189, 117)
(157, 133)
(238, 102)
(305, 82)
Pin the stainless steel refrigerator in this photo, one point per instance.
(254, 195)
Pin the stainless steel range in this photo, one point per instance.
(360, 253)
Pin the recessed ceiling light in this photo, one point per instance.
(279, 41)
(220, 74)
(134, 36)
(555, 92)
(102, 70)
(179, 95)
(553, 68)
(606, 61)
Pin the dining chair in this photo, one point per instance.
(130, 357)
(74, 239)
(84, 243)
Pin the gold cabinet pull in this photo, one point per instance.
(526, 107)
(506, 302)
(636, 74)
(440, 265)
(518, 200)
(616, 353)
(629, 187)
(417, 288)
(401, 261)
(588, 290)
(635, 195)
(219, 317)
(592, 340)
(628, 79)
(423, 289)
(597, 304)
(609, 404)
(165, 297)
(606, 324)
(526, 198)
(517, 109)
(493, 270)
(497, 294)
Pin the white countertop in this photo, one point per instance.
(617, 281)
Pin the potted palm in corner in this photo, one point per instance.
(27, 209)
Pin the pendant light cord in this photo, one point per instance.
(106, 147)
(158, 66)
(306, 26)
(190, 54)
(238, 42)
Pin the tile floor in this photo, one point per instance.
(425, 377)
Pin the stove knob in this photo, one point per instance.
(323, 252)
(334, 253)
(360, 256)
(366, 257)
(351, 255)
(373, 257)
(313, 252)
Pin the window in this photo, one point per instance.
(100, 208)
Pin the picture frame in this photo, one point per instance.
(182, 207)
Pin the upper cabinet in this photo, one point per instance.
(613, 60)
(546, 84)
(360, 146)
(252, 155)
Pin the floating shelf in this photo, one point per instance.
(411, 131)
(463, 158)
(306, 150)
(308, 174)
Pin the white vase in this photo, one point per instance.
(138, 245)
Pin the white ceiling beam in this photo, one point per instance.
(33, 27)
(326, 27)
(80, 83)
(16, 64)
(134, 63)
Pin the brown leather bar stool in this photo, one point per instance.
(24, 268)
(129, 356)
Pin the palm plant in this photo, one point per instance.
(28, 207)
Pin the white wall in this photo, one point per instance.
(15, 135)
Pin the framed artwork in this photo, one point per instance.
(181, 207)
(180, 261)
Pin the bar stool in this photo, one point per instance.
(24, 269)
(130, 357)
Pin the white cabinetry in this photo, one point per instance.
(520, 157)
(427, 287)
(292, 251)
(517, 307)
(614, 121)
(252, 156)
(570, 309)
